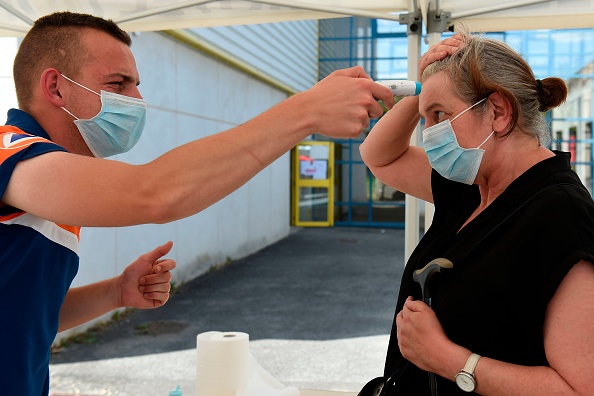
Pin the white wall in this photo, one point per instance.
(287, 51)
(192, 96)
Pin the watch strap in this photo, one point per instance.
(471, 364)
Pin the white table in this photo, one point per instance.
(311, 392)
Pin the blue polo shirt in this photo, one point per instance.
(38, 260)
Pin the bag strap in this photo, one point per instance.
(510, 215)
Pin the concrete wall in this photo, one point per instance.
(190, 96)
(286, 51)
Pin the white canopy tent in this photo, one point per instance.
(16, 16)
(436, 16)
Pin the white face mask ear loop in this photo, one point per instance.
(477, 103)
(64, 108)
(485, 141)
(80, 85)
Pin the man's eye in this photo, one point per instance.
(439, 114)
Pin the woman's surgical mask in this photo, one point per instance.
(447, 157)
(116, 128)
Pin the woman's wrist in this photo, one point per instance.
(452, 360)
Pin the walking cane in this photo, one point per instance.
(424, 277)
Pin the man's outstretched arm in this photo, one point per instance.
(94, 192)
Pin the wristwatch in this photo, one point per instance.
(465, 378)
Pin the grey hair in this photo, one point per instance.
(484, 66)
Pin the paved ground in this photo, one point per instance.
(318, 307)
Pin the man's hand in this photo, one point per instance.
(146, 282)
(343, 102)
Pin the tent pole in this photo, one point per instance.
(411, 209)
(282, 3)
(161, 10)
(16, 13)
(437, 23)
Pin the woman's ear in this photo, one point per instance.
(502, 112)
(50, 86)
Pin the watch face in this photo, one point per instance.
(465, 382)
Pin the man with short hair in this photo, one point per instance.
(77, 88)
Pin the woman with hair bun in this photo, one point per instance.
(515, 314)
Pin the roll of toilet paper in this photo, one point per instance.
(222, 362)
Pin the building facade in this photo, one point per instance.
(381, 48)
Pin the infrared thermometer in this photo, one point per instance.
(402, 87)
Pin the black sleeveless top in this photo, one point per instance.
(494, 300)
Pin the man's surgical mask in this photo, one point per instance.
(116, 128)
(447, 157)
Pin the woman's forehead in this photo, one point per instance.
(437, 90)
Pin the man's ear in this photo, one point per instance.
(502, 111)
(50, 86)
